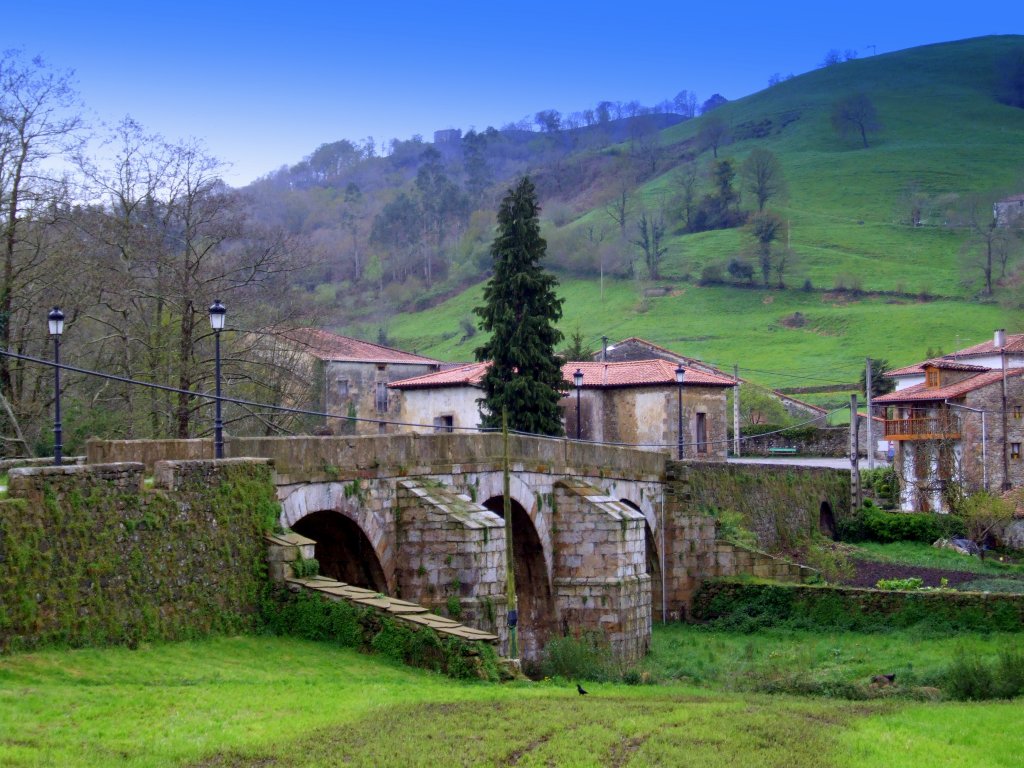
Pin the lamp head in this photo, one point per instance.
(217, 314)
(55, 321)
(577, 378)
(680, 373)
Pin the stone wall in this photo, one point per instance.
(87, 555)
(782, 505)
(351, 389)
(832, 442)
(451, 555)
(821, 607)
(317, 459)
(600, 575)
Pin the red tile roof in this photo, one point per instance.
(636, 373)
(1014, 343)
(922, 392)
(665, 350)
(325, 345)
(468, 375)
(640, 373)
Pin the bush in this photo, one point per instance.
(832, 563)
(873, 524)
(971, 679)
(578, 658)
(908, 584)
(883, 483)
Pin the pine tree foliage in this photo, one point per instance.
(520, 311)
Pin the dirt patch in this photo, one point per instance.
(868, 572)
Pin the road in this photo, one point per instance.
(806, 461)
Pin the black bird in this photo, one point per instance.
(580, 689)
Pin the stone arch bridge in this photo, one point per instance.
(604, 538)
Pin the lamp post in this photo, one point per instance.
(577, 379)
(217, 314)
(55, 321)
(680, 375)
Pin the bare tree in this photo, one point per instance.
(38, 119)
(685, 179)
(713, 132)
(651, 233)
(855, 114)
(762, 173)
(765, 228)
(987, 245)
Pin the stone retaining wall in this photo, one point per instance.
(87, 555)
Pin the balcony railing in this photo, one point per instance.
(945, 427)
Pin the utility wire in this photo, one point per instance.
(324, 414)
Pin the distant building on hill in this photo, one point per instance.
(448, 136)
(1009, 211)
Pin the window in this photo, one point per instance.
(382, 397)
(343, 388)
(1015, 451)
(1017, 412)
(444, 423)
(931, 377)
(702, 433)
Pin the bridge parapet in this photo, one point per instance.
(318, 459)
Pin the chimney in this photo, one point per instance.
(1000, 339)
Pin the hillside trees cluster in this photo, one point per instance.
(134, 248)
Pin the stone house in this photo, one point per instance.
(635, 348)
(1009, 211)
(353, 377)
(949, 431)
(633, 403)
(986, 356)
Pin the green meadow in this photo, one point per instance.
(259, 701)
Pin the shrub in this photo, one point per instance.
(832, 563)
(873, 524)
(906, 585)
(883, 483)
(971, 679)
(578, 658)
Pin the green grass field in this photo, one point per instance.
(944, 135)
(727, 326)
(257, 701)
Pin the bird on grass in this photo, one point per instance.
(579, 688)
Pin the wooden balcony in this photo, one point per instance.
(946, 427)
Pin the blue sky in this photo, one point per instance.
(264, 84)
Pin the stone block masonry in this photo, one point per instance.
(600, 575)
(451, 555)
(87, 555)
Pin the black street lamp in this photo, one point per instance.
(680, 375)
(217, 314)
(55, 321)
(577, 379)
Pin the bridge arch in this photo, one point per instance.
(537, 614)
(490, 486)
(352, 539)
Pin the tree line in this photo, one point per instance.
(133, 240)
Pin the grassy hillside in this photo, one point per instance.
(944, 137)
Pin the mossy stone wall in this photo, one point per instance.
(782, 505)
(88, 555)
(749, 606)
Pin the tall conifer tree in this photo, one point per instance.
(520, 311)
